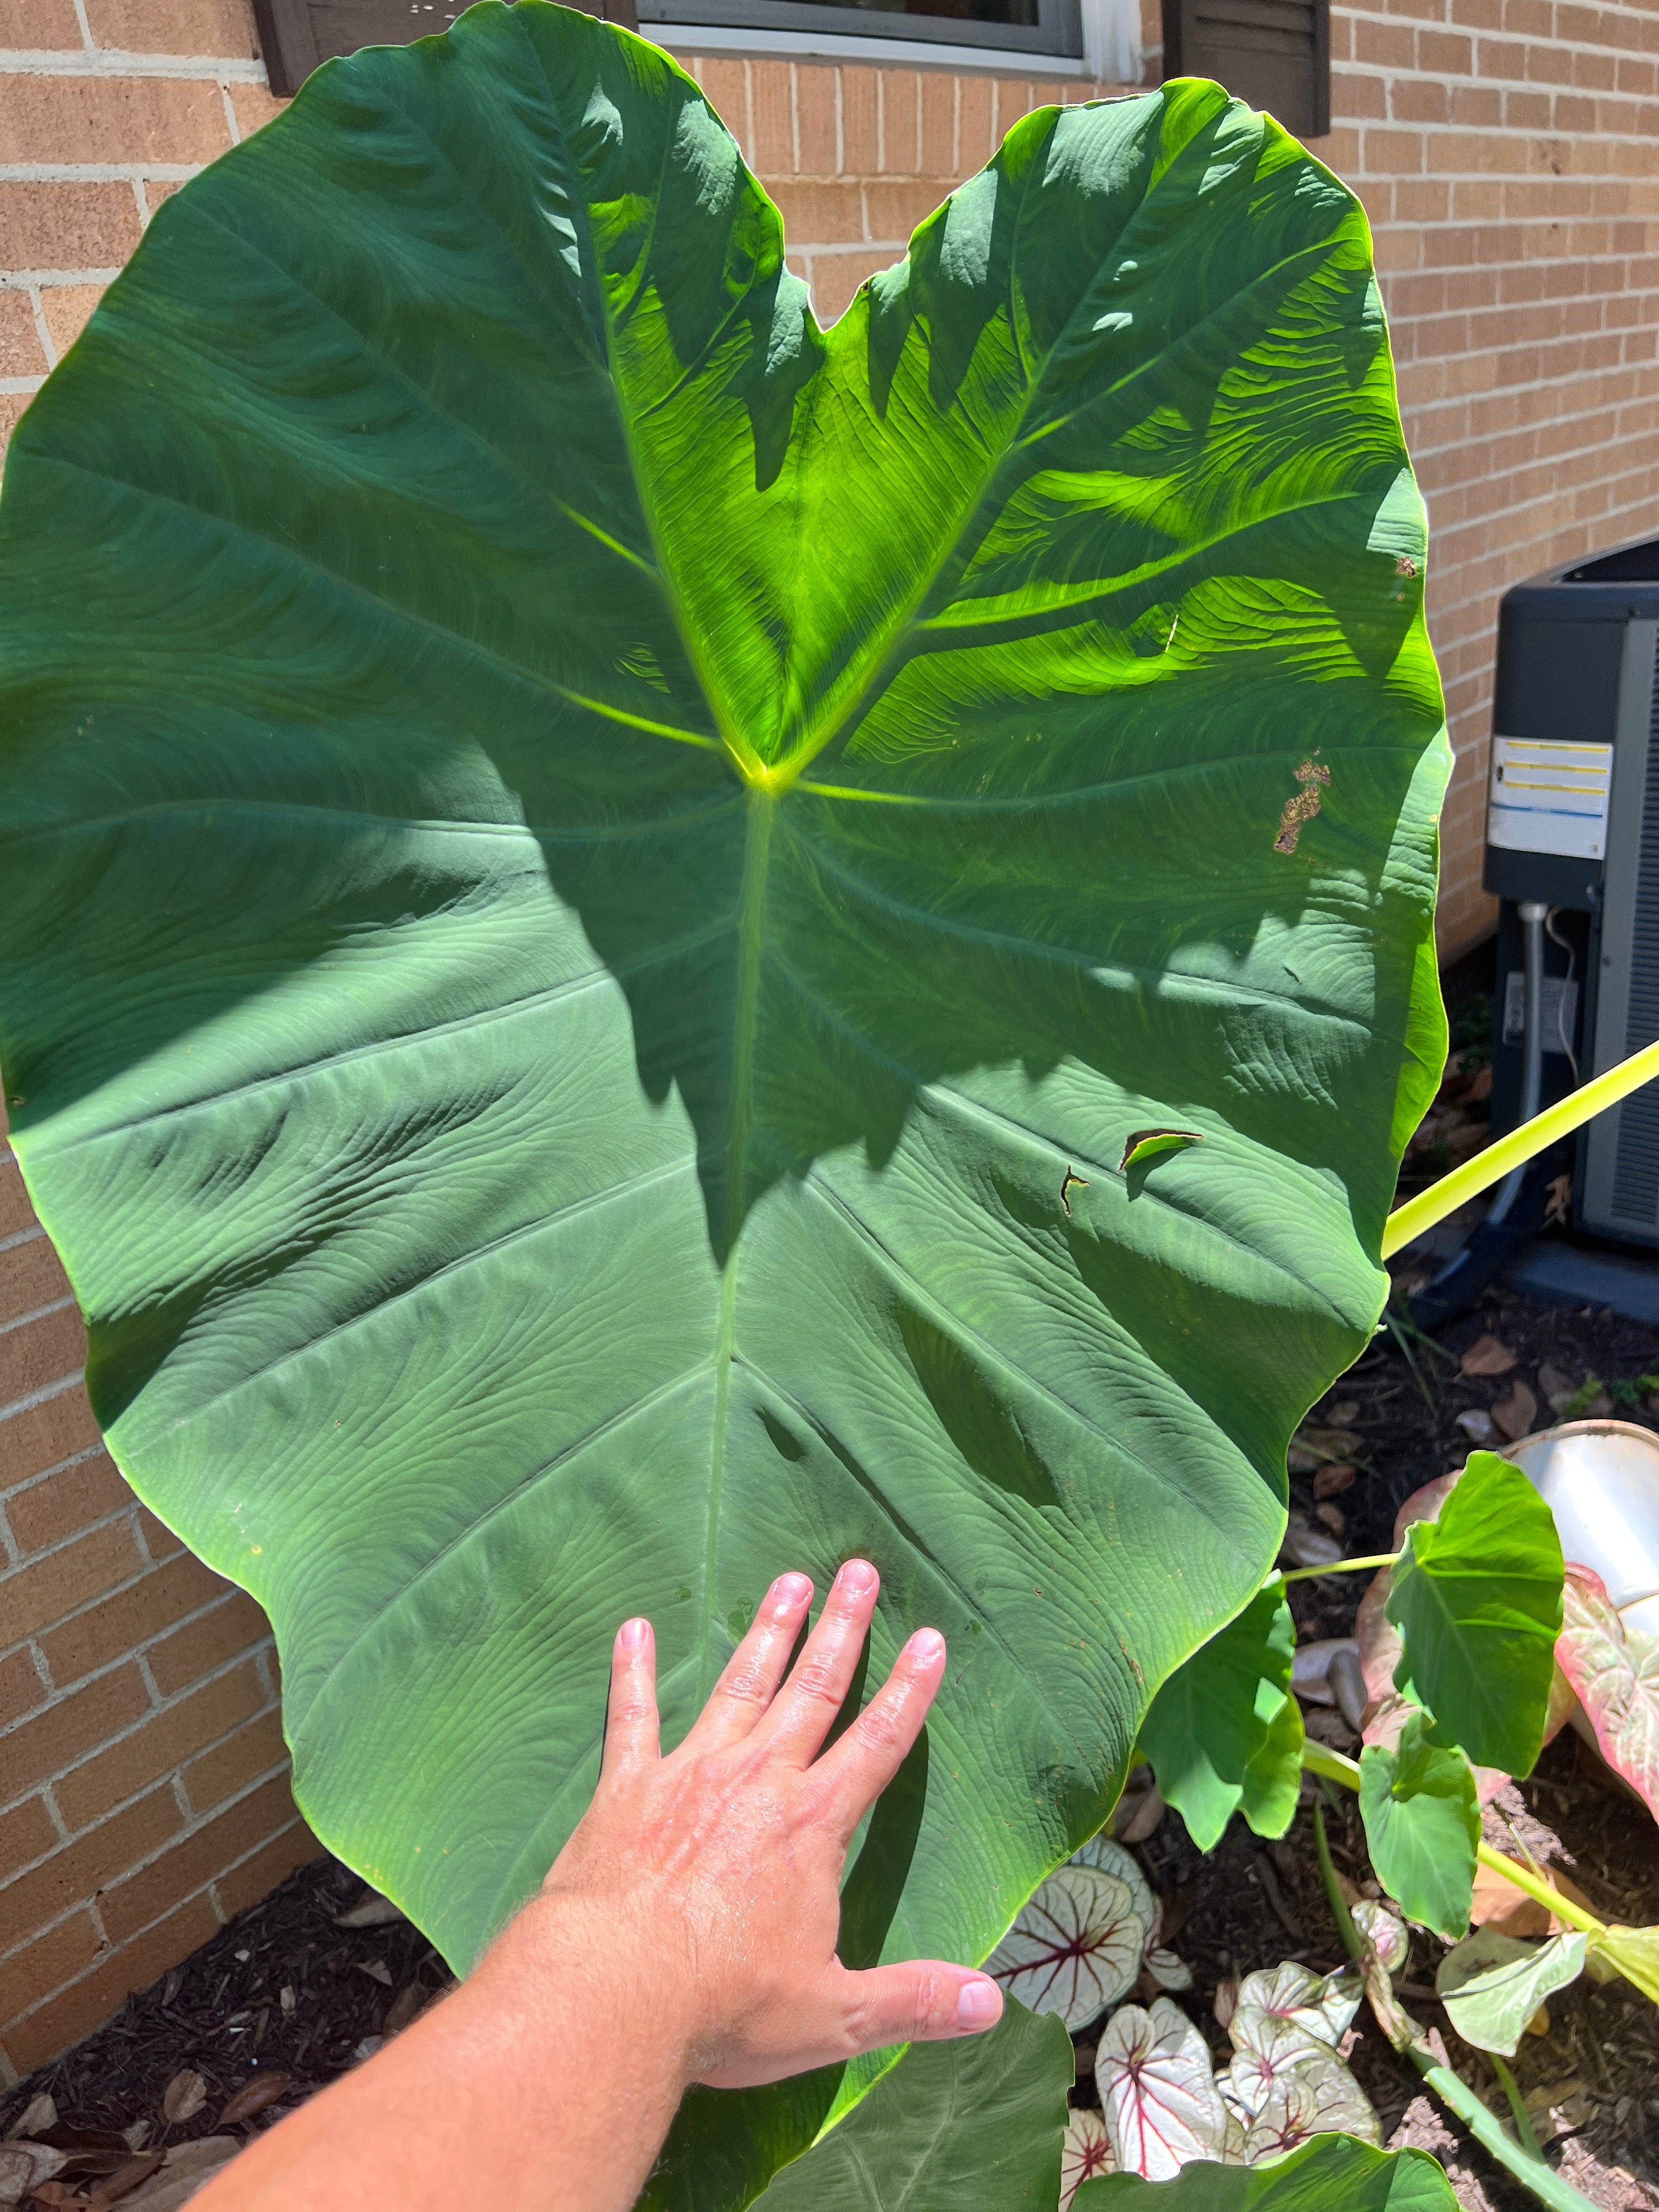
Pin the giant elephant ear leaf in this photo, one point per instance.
(596, 879)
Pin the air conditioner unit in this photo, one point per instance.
(1572, 851)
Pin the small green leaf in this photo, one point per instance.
(1147, 1144)
(1211, 1722)
(979, 2122)
(1422, 1823)
(1333, 2173)
(1273, 1780)
(1635, 1952)
(1492, 1985)
(1477, 1599)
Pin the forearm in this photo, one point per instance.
(546, 2089)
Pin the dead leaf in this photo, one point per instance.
(1497, 1903)
(1309, 1547)
(1314, 1448)
(137, 2135)
(1331, 1481)
(128, 2177)
(25, 2166)
(38, 2115)
(1513, 1417)
(187, 2169)
(371, 1910)
(1479, 1088)
(184, 2097)
(1329, 1727)
(1539, 2025)
(1333, 1518)
(376, 1968)
(1558, 1200)
(1557, 1385)
(1488, 1355)
(287, 2000)
(1138, 1815)
(404, 2008)
(253, 2096)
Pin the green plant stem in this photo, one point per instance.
(1521, 2159)
(1338, 1567)
(1444, 1197)
(1518, 2111)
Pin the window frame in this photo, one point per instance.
(755, 25)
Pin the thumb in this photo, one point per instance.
(925, 2001)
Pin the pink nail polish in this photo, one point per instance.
(633, 1635)
(978, 2003)
(792, 1590)
(927, 1646)
(857, 1576)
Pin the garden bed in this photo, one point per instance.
(286, 1991)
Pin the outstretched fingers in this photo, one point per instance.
(752, 1673)
(804, 1709)
(854, 1772)
(925, 2001)
(631, 1730)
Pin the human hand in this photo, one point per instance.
(712, 1877)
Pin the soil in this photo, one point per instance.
(286, 1989)
(283, 1990)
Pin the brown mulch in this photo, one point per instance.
(281, 1990)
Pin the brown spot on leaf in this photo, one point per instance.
(1069, 1182)
(1405, 565)
(1313, 777)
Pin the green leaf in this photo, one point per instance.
(1492, 1985)
(585, 863)
(1635, 1953)
(1422, 1826)
(1147, 1144)
(1333, 2173)
(1476, 1595)
(1216, 1733)
(979, 2121)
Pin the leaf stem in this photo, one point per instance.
(1521, 2159)
(1339, 1567)
(1522, 2117)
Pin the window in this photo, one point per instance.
(1034, 27)
(1274, 53)
(296, 35)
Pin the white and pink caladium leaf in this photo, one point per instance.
(1107, 1857)
(1615, 1675)
(1385, 1931)
(1320, 2097)
(1319, 2007)
(1163, 2108)
(1256, 2071)
(1075, 1949)
(1086, 2152)
(1167, 1971)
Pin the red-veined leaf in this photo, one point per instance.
(1086, 2152)
(1615, 1675)
(1075, 1949)
(1161, 2106)
(1107, 1857)
(1319, 2006)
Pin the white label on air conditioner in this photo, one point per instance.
(1549, 798)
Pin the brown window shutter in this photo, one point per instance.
(1274, 53)
(295, 35)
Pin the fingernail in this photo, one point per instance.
(978, 2003)
(857, 1576)
(632, 1635)
(791, 1589)
(925, 1646)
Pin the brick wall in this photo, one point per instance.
(1506, 150)
(143, 1781)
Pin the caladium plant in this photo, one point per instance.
(607, 891)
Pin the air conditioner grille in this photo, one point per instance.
(1636, 1160)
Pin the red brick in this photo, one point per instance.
(15, 1211)
(92, 119)
(44, 1591)
(37, 1353)
(772, 120)
(836, 279)
(939, 123)
(817, 126)
(158, 1540)
(255, 104)
(164, 1596)
(27, 1832)
(21, 1689)
(894, 210)
(76, 1872)
(233, 1625)
(860, 141)
(901, 94)
(38, 25)
(43, 1436)
(48, 1511)
(236, 1763)
(221, 28)
(258, 1876)
(88, 2003)
(169, 1737)
(22, 354)
(818, 213)
(195, 1859)
(51, 1959)
(45, 1744)
(725, 86)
